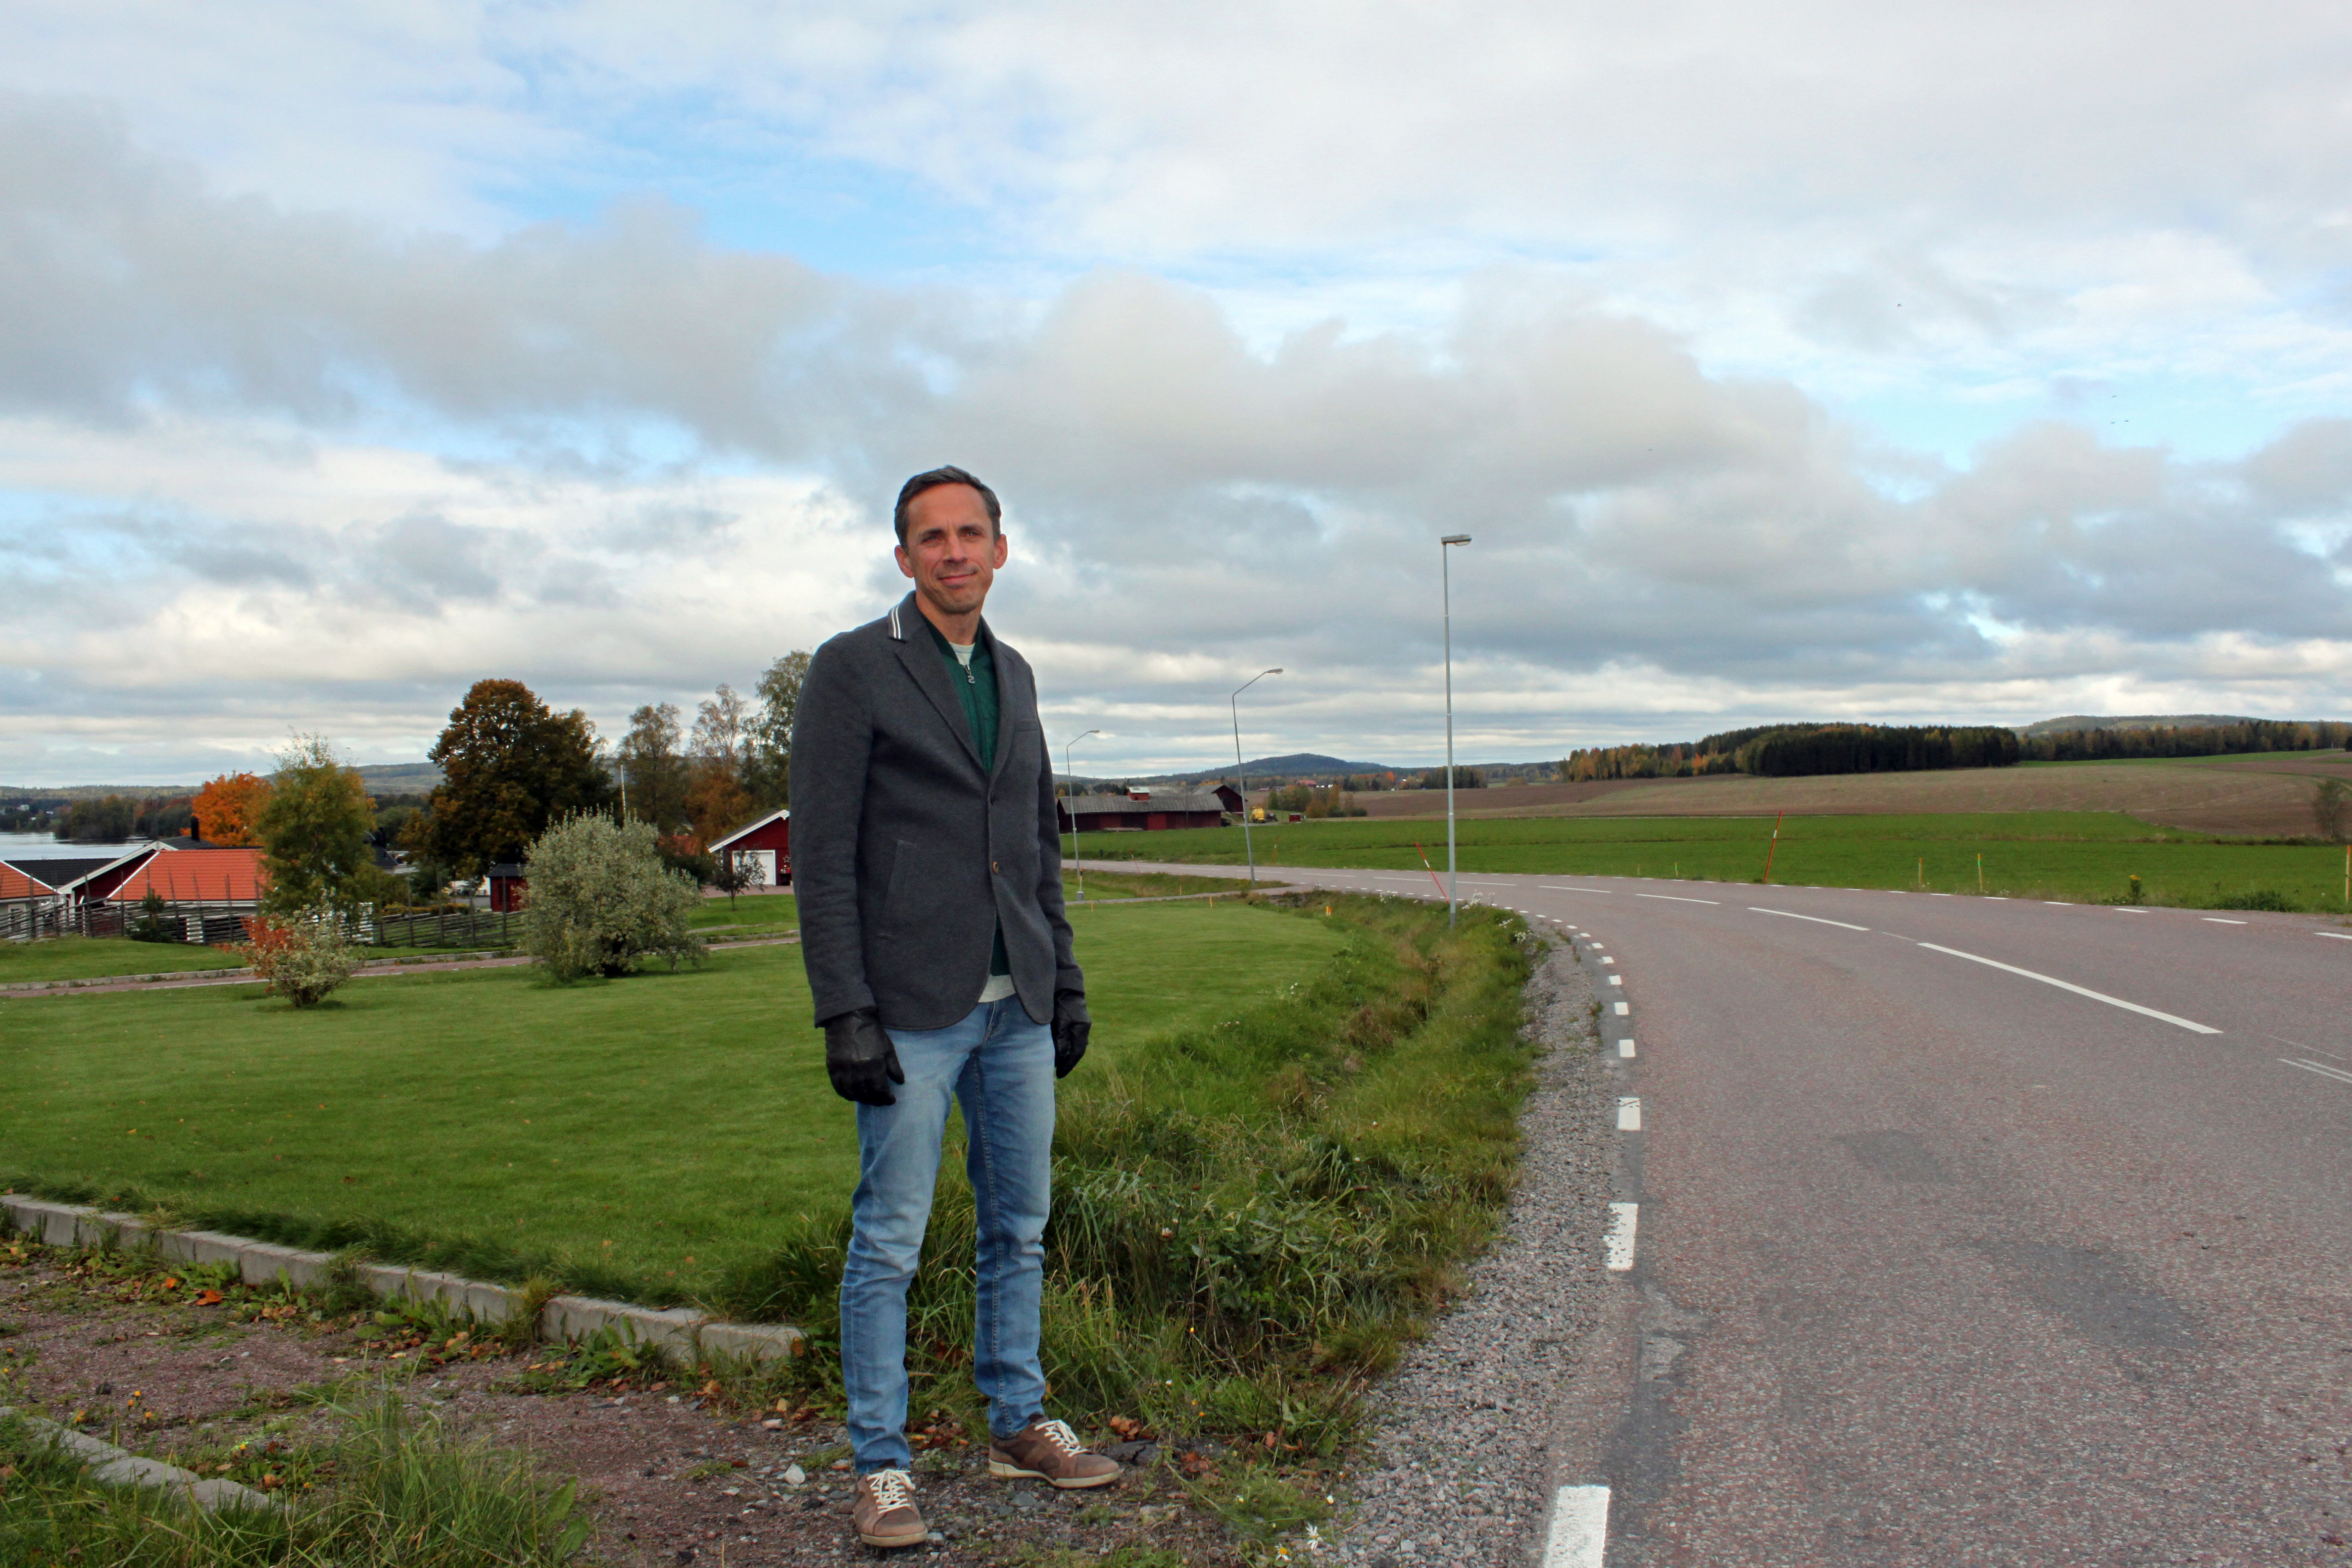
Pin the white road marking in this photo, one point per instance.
(2333, 935)
(1674, 900)
(1607, 960)
(1580, 1529)
(1623, 1010)
(1549, 888)
(2058, 903)
(1617, 1247)
(1616, 979)
(1625, 1047)
(2217, 920)
(1629, 1113)
(2119, 909)
(1791, 914)
(2077, 990)
(2307, 1067)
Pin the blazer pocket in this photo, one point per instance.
(899, 901)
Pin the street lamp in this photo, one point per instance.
(1445, 579)
(1234, 703)
(1073, 798)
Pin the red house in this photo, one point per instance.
(507, 887)
(1148, 810)
(766, 845)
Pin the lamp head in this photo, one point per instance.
(1455, 539)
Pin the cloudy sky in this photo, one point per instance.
(1978, 363)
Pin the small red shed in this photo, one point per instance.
(766, 844)
(508, 886)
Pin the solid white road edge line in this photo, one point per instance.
(2307, 1067)
(1617, 1247)
(1673, 899)
(1629, 1113)
(2333, 935)
(2077, 990)
(1789, 914)
(1580, 1528)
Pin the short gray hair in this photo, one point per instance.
(932, 479)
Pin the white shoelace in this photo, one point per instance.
(1062, 1437)
(892, 1488)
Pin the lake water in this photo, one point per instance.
(43, 846)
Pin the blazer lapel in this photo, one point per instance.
(931, 674)
(1008, 701)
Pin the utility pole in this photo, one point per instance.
(1073, 798)
(1445, 580)
(1234, 702)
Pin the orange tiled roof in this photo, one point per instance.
(196, 876)
(15, 884)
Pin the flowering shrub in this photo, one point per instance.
(303, 957)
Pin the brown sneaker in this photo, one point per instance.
(884, 1510)
(1050, 1451)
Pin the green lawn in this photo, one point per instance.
(2044, 854)
(90, 957)
(647, 1134)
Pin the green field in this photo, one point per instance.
(645, 1134)
(91, 957)
(2075, 856)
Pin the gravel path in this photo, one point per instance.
(1460, 1469)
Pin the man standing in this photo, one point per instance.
(926, 856)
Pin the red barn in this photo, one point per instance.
(507, 887)
(766, 845)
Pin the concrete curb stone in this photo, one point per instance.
(115, 1466)
(678, 1329)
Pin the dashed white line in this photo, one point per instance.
(2218, 920)
(2077, 990)
(1629, 1113)
(1674, 900)
(2308, 1067)
(2119, 909)
(1792, 915)
(1625, 1010)
(1580, 1528)
(1550, 888)
(1625, 1047)
(1617, 1247)
(1607, 959)
(2333, 935)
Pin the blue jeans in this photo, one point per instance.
(1000, 1065)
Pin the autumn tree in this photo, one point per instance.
(715, 800)
(510, 765)
(314, 830)
(226, 809)
(768, 734)
(654, 773)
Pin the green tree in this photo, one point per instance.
(768, 750)
(654, 774)
(2331, 804)
(314, 829)
(510, 766)
(600, 899)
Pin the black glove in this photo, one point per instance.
(1071, 1027)
(860, 1058)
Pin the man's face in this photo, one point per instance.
(951, 551)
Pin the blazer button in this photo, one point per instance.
(995, 868)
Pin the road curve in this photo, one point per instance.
(1970, 1230)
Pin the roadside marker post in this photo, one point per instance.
(1773, 848)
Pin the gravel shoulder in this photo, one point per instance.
(1461, 1469)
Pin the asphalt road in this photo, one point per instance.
(1941, 1262)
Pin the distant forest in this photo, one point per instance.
(2189, 740)
(1790, 751)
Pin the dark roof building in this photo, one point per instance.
(1148, 810)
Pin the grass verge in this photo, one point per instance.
(2078, 856)
(394, 1487)
(1253, 1214)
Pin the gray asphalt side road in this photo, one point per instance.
(1972, 1231)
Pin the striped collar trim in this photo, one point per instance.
(897, 631)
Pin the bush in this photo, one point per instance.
(2256, 899)
(601, 898)
(303, 957)
(150, 924)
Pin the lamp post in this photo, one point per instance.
(1234, 703)
(1073, 798)
(1445, 580)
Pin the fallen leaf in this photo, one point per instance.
(208, 1298)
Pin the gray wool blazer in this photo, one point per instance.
(905, 855)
